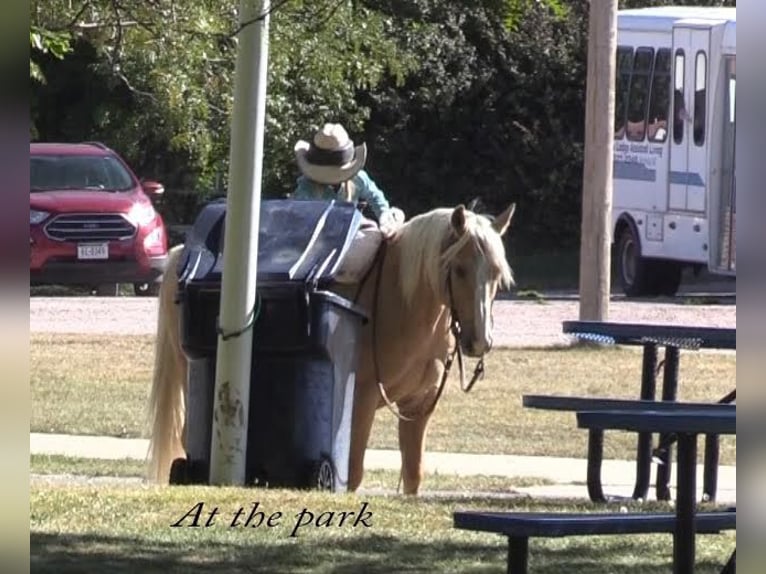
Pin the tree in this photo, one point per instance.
(46, 42)
(456, 98)
(155, 81)
(493, 111)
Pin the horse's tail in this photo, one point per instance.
(167, 399)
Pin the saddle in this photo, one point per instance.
(361, 253)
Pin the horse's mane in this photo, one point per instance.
(424, 257)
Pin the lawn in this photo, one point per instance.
(124, 528)
(99, 385)
(95, 384)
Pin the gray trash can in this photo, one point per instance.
(304, 345)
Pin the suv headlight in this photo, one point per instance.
(142, 214)
(36, 216)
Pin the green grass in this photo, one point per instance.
(100, 385)
(83, 384)
(373, 479)
(58, 464)
(90, 384)
(128, 529)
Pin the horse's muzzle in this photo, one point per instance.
(475, 347)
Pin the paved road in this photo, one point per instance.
(517, 322)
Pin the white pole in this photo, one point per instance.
(232, 382)
(595, 256)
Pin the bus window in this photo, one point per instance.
(624, 68)
(659, 101)
(700, 83)
(638, 96)
(679, 110)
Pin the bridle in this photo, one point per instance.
(478, 372)
(454, 329)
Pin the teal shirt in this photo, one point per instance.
(365, 189)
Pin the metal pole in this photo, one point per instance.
(235, 340)
(597, 167)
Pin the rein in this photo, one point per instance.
(454, 329)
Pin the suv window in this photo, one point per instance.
(78, 172)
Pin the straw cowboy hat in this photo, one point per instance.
(332, 157)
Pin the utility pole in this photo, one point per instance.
(595, 256)
(228, 449)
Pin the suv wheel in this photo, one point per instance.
(146, 289)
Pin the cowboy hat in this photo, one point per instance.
(332, 157)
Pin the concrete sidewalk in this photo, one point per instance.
(566, 474)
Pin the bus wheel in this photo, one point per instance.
(633, 269)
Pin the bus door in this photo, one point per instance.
(687, 180)
(724, 258)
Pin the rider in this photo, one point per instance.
(332, 168)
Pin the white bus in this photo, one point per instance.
(674, 171)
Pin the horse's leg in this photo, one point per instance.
(412, 433)
(366, 402)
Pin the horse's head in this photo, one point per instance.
(460, 257)
(474, 267)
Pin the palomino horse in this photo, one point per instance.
(434, 281)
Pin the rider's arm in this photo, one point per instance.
(369, 192)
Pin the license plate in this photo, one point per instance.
(93, 251)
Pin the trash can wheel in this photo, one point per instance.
(178, 472)
(322, 476)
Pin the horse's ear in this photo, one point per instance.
(458, 219)
(502, 221)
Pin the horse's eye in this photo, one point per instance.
(460, 271)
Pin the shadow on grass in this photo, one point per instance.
(366, 553)
(369, 553)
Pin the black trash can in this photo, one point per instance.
(304, 345)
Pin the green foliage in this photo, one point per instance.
(318, 62)
(46, 42)
(493, 113)
(456, 98)
(156, 82)
(514, 11)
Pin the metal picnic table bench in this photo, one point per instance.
(596, 440)
(673, 338)
(684, 524)
(687, 425)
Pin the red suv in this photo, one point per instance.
(91, 221)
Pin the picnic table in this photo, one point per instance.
(672, 338)
(684, 523)
(687, 425)
(596, 435)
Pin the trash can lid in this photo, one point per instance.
(298, 240)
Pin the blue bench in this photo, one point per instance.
(519, 527)
(596, 438)
(672, 338)
(687, 425)
(684, 524)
